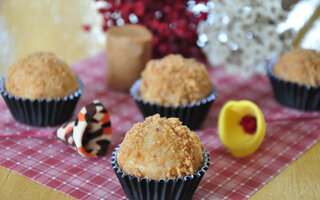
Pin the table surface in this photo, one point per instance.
(47, 31)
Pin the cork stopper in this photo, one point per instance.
(129, 48)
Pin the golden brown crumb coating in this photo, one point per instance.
(41, 76)
(160, 148)
(174, 80)
(301, 66)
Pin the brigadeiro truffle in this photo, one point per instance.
(41, 90)
(160, 158)
(295, 79)
(175, 86)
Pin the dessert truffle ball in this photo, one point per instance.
(160, 148)
(41, 76)
(174, 80)
(300, 66)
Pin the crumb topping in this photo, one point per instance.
(174, 80)
(301, 66)
(41, 76)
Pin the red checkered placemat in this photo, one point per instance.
(52, 163)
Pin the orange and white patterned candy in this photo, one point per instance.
(90, 132)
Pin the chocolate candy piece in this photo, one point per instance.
(90, 132)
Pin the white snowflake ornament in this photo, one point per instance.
(242, 35)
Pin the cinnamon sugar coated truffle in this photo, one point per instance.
(300, 66)
(174, 80)
(160, 148)
(41, 76)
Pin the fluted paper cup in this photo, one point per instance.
(142, 189)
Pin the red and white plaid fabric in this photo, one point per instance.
(52, 163)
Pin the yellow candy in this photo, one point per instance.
(235, 127)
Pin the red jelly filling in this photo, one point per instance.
(249, 124)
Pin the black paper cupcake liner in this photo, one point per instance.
(41, 112)
(293, 95)
(143, 189)
(191, 115)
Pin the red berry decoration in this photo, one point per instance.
(249, 124)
